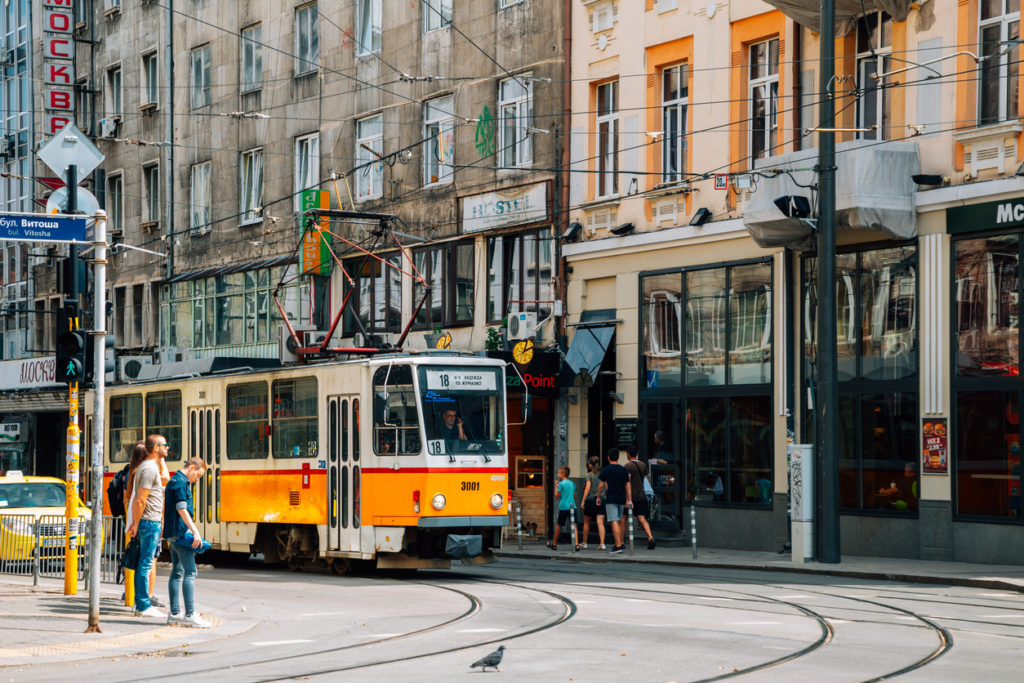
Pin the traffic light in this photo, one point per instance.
(71, 343)
(90, 357)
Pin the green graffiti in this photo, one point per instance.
(485, 133)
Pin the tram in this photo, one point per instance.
(397, 460)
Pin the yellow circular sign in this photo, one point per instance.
(445, 342)
(522, 352)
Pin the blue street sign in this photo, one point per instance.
(41, 227)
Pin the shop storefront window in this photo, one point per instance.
(295, 418)
(163, 416)
(988, 306)
(247, 421)
(125, 426)
(662, 330)
(750, 329)
(378, 295)
(876, 334)
(988, 475)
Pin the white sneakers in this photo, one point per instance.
(195, 621)
(174, 619)
(150, 612)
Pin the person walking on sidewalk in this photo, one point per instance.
(637, 475)
(565, 496)
(591, 508)
(178, 522)
(147, 513)
(616, 491)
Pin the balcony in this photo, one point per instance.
(874, 191)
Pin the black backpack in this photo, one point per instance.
(115, 492)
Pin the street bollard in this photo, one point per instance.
(629, 513)
(519, 523)
(693, 530)
(129, 578)
(572, 522)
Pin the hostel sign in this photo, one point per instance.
(58, 64)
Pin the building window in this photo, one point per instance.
(675, 92)
(876, 345)
(764, 98)
(151, 199)
(368, 19)
(150, 78)
(509, 3)
(112, 100)
(251, 191)
(448, 269)
(378, 297)
(307, 165)
(515, 105)
(607, 139)
(307, 39)
(199, 198)
(874, 50)
(520, 274)
(369, 147)
(998, 87)
(436, 14)
(294, 433)
(200, 76)
(252, 58)
(439, 148)
(115, 203)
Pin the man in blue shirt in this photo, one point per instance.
(615, 487)
(178, 521)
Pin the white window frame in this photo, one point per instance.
(151, 193)
(252, 58)
(666, 5)
(369, 178)
(151, 78)
(368, 26)
(111, 4)
(677, 108)
(1006, 110)
(307, 57)
(764, 88)
(115, 202)
(200, 194)
(437, 14)
(439, 141)
(307, 165)
(250, 185)
(508, 3)
(114, 100)
(515, 102)
(875, 60)
(603, 17)
(200, 76)
(608, 139)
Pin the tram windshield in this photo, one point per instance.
(463, 410)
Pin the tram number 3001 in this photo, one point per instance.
(470, 486)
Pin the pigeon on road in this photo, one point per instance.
(493, 659)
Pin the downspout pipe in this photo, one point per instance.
(169, 172)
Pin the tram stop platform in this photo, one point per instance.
(40, 625)
(993, 576)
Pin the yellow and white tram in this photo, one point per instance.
(401, 459)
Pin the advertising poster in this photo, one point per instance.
(935, 458)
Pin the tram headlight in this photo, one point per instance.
(439, 501)
(497, 501)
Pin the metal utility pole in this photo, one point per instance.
(827, 428)
(74, 434)
(99, 346)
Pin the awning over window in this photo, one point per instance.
(808, 12)
(874, 191)
(234, 268)
(591, 341)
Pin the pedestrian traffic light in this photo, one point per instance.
(71, 343)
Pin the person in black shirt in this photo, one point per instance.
(452, 429)
(615, 489)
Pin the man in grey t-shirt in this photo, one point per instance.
(148, 515)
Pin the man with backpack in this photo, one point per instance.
(637, 475)
(115, 492)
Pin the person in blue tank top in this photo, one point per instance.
(565, 496)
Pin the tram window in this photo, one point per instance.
(355, 430)
(247, 421)
(125, 426)
(355, 497)
(163, 416)
(295, 418)
(332, 429)
(216, 438)
(344, 431)
(334, 496)
(396, 425)
(344, 497)
(463, 411)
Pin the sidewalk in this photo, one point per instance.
(994, 576)
(40, 625)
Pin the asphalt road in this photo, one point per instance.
(584, 622)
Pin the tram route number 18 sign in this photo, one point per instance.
(461, 380)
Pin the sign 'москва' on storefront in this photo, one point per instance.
(987, 216)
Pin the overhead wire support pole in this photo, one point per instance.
(827, 424)
(96, 447)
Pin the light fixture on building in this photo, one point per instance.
(623, 229)
(572, 232)
(931, 179)
(1020, 169)
(701, 217)
(794, 206)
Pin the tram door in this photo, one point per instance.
(204, 442)
(343, 473)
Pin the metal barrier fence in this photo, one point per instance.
(34, 546)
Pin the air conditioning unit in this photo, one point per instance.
(314, 337)
(167, 354)
(374, 339)
(108, 129)
(128, 367)
(522, 325)
(286, 345)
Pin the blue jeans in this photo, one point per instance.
(183, 579)
(149, 542)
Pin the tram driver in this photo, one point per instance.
(452, 429)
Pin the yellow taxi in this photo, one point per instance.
(26, 502)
